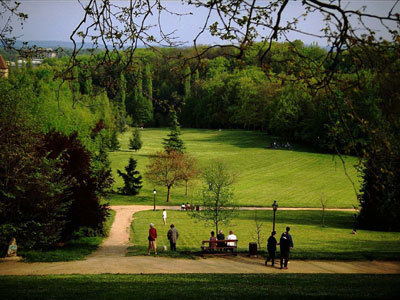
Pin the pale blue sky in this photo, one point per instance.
(55, 19)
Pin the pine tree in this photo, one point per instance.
(135, 142)
(186, 83)
(174, 142)
(114, 143)
(148, 83)
(132, 179)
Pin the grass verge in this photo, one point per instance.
(76, 249)
(311, 240)
(201, 286)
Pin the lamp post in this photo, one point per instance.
(154, 192)
(275, 208)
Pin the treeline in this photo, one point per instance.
(53, 158)
(219, 91)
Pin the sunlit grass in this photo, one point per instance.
(311, 239)
(297, 178)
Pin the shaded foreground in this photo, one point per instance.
(283, 286)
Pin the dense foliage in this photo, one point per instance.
(53, 166)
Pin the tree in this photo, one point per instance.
(114, 143)
(132, 179)
(186, 82)
(135, 142)
(165, 168)
(189, 170)
(217, 206)
(174, 142)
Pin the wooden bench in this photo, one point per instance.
(218, 249)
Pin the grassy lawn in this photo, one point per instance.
(311, 240)
(295, 178)
(201, 286)
(76, 249)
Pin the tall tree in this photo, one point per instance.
(165, 168)
(135, 142)
(186, 82)
(217, 205)
(132, 179)
(189, 170)
(174, 142)
(148, 83)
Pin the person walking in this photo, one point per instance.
(152, 239)
(289, 237)
(164, 216)
(285, 249)
(271, 247)
(172, 236)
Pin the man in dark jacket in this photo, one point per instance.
(285, 244)
(271, 246)
(289, 237)
(221, 237)
(172, 235)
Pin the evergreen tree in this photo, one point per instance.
(135, 142)
(132, 179)
(114, 143)
(148, 83)
(186, 83)
(174, 142)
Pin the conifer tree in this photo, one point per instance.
(186, 83)
(114, 143)
(174, 142)
(148, 83)
(132, 179)
(135, 142)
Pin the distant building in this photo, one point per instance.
(3, 68)
(45, 53)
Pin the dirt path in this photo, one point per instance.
(110, 258)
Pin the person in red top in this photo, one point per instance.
(152, 239)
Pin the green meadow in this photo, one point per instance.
(201, 286)
(294, 178)
(334, 241)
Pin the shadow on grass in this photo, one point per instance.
(74, 250)
(337, 219)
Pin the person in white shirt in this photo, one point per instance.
(231, 236)
(164, 216)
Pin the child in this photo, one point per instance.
(271, 246)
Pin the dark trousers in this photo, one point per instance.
(172, 246)
(284, 259)
(271, 256)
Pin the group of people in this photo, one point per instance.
(285, 243)
(186, 206)
(172, 236)
(221, 237)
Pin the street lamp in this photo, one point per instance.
(275, 208)
(154, 192)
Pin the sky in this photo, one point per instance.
(54, 20)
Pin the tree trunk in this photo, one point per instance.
(186, 191)
(168, 192)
